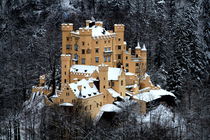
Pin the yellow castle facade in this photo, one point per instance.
(98, 69)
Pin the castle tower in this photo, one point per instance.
(138, 50)
(85, 45)
(144, 59)
(103, 77)
(66, 29)
(119, 47)
(65, 70)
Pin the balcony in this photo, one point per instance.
(108, 52)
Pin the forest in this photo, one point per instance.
(177, 36)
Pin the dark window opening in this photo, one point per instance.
(83, 51)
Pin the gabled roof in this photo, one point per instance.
(86, 90)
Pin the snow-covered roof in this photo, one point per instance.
(113, 92)
(113, 73)
(152, 95)
(98, 31)
(129, 73)
(83, 69)
(138, 46)
(66, 104)
(110, 108)
(86, 90)
(144, 48)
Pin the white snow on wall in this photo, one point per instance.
(152, 95)
(161, 2)
(66, 104)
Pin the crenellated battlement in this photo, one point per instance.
(67, 27)
(119, 27)
(85, 31)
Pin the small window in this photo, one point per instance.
(109, 58)
(67, 38)
(104, 87)
(105, 58)
(105, 49)
(65, 73)
(75, 47)
(109, 48)
(97, 59)
(96, 42)
(136, 55)
(97, 50)
(61, 100)
(67, 93)
(121, 82)
(105, 42)
(67, 88)
(126, 64)
(126, 58)
(112, 83)
(90, 107)
(83, 60)
(119, 39)
(83, 43)
(137, 64)
(68, 47)
(83, 51)
(119, 47)
(64, 80)
(65, 66)
(85, 70)
(119, 56)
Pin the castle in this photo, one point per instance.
(98, 69)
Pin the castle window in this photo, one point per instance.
(75, 47)
(105, 49)
(83, 43)
(61, 100)
(126, 64)
(67, 93)
(85, 108)
(85, 70)
(126, 58)
(67, 88)
(105, 58)
(119, 47)
(100, 103)
(75, 57)
(68, 47)
(136, 55)
(119, 39)
(67, 38)
(96, 42)
(121, 82)
(97, 59)
(65, 73)
(65, 66)
(112, 83)
(137, 64)
(83, 51)
(109, 58)
(64, 80)
(127, 70)
(109, 48)
(97, 50)
(90, 107)
(83, 60)
(105, 42)
(119, 56)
